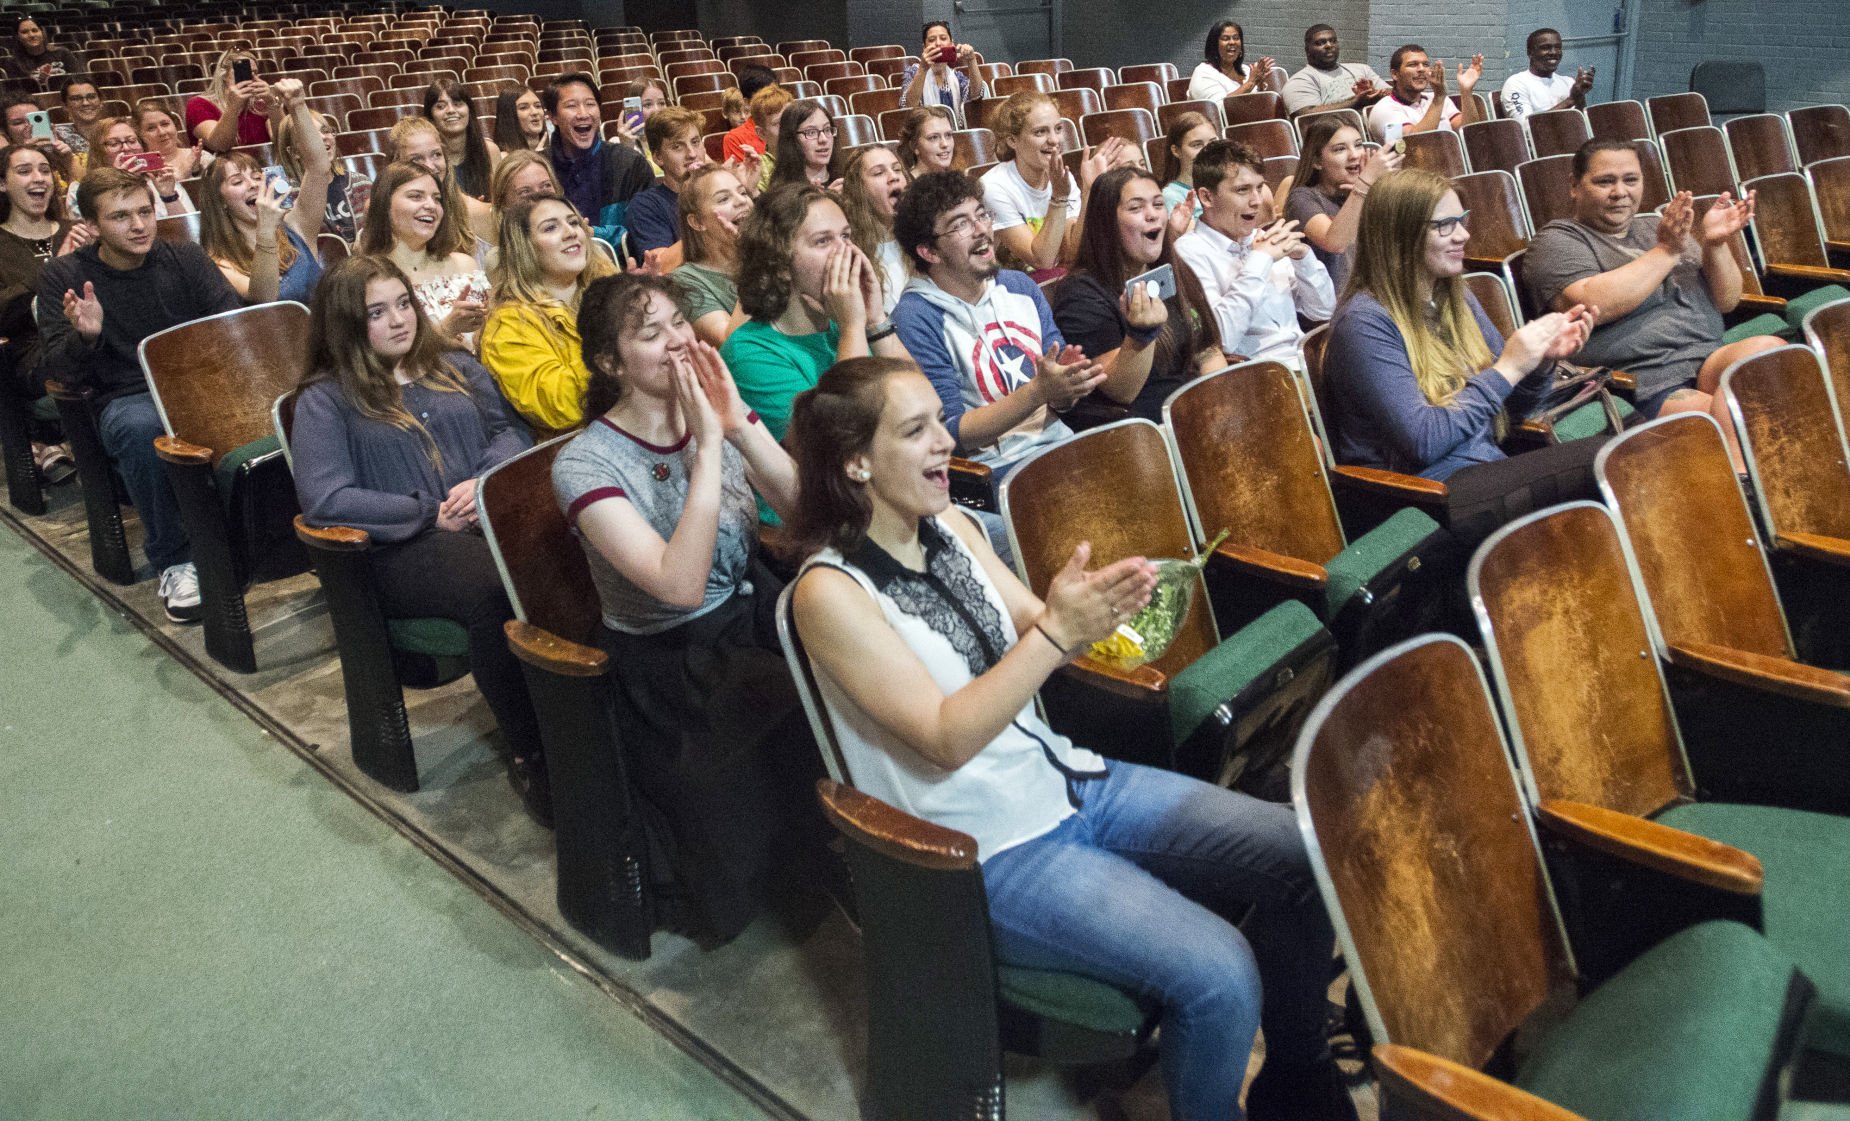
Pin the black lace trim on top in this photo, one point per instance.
(947, 596)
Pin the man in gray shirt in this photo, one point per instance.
(1327, 84)
(1659, 287)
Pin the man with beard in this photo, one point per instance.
(1539, 88)
(1417, 101)
(1326, 84)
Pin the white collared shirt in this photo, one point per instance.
(1256, 301)
(1391, 108)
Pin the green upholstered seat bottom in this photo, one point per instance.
(229, 464)
(1225, 671)
(1765, 324)
(1806, 900)
(1368, 555)
(1070, 998)
(1799, 307)
(44, 409)
(436, 638)
(1689, 1031)
(1590, 420)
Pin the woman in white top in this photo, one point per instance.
(1030, 194)
(929, 652)
(407, 221)
(1223, 71)
(872, 181)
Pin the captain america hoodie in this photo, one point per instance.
(977, 353)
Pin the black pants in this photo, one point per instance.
(444, 575)
(1484, 496)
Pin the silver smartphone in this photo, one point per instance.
(1162, 276)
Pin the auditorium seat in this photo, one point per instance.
(1437, 151)
(1677, 110)
(1618, 120)
(1269, 137)
(1133, 126)
(1500, 145)
(1243, 108)
(1760, 145)
(1820, 132)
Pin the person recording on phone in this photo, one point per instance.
(947, 74)
(249, 224)
(237, 111)
(1257, 272)
(599, 178)
(113, 143)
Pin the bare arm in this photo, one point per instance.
(1618, 292)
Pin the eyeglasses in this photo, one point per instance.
(814, 134)
(1446, 227)
(968, 224)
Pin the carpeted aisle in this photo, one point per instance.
(194, 924)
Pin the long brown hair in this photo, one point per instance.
(792, 167)
(377, 236)
(54, 201)
(766, 243)
(828, 424)
(475, 166)
(1101, 256)
(1317, 136)
(610, 309)
(219, 234)
(454, 208)
(1178, 132)
(340, 351)
(914, 126)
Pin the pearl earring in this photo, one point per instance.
(862, 475)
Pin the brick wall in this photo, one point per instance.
(1804, 45)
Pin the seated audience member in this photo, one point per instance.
(530, 342)
(1190, 133)
(265, 251)
(872, 181)
(1223, 71)
(813, 298)
(1417, 102)
(521, 175)
(736, 110)
(520, 120)
(83, 103)
(416, 140)
(805, 152)
(1539, 88)
(925, 140)
(659, 487)
(297, 147)
(675, 146)
(929, 653)
(768, 106)
(391, 431)
(1419, 380)
(448, 106)
(408, 222)
(1257, 272)
(1333, 177)
(1325, 84)
(113, 143)
(651, 97)
(234, 112)
(33, 59)
(599, 178)
(94, 308)
(1030, 194)
(744, 140)
(946, 74)
(19, 112)
(160, 133)
(984, 335)
(33, 230)
(713, 206)
(1661, 285)
(1153, 345)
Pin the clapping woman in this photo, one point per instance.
(1223, 71)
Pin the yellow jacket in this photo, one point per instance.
(534, 352)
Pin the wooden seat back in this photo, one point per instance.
(1425, 854)
(1760, 145)
(855, 129)
(1558, 131)
(1499, 225)
(1024, 81)
(825, 72)
(1244, 108)
(1349, 116)
(1075, 104)
(1147, 96)
(1793, 436)
(1618, 120)
(1673, 111)
(979, 112)
(866, 55)
(1133, 126)
(1785, 222)
(1691, 536)
(1500, 145)
(1048, 66)
(1546, 184)
(1830, 186)
(1494, 296)
(1315, 344)
(1562, 625)
(1656, 181)
(1094, 78)
(1820, 132)
(1249, 463)
(972, 147)
(861, 85)
(1162, 73)
(215, 379)
(1698, 161)
(1113, 486)
(549, 581)
(1269, 137)
(1827, 330)
(1437, 151)
(1166, 116)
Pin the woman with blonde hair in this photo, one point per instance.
(159, 132)
(925, 140)
(530, 342)
(294, 155)
(873, 178)
(713, 205)
(1030, 194)
(416, 140)
(1422, 383)
(408, 221)
(236, 111)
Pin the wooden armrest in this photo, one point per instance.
(175, 450)
(1815, 546)
(1273, 566)
(338, 538)
(58, 391)
(1140, 684)
(545, 650)
(970, 467)
(1658, 847)
(1411, 488)
(1625, 381)
(892, 831)
(1781, 676)
(1813, 273)
(1449, 1091)
(1756, 303)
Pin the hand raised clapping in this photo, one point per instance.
(1725, 219)
(1062, 377)
(85, 312)
(1546, 338)
(1085, 607)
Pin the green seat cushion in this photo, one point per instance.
(232, 461)
(437, 638)
(1689, 1030)
(1590, 420)
(1241, 658)
(44, 409)
(1766, 324)
(1070, 998)
(1799, 307)
(1806, 900)
(1370, 554)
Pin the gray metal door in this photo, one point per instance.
(1005, 31)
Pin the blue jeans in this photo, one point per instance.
(1140, 887)
(129, 426)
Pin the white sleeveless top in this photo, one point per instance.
(1013, 790)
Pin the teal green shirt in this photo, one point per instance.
(771, 368)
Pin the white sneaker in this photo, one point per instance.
(180, 593)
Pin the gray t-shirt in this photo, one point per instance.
(1311, 87)
(707, 290)
(1665, 339)
(604, 461)
(1305, 203)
